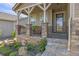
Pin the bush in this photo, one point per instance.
(14, 53)
(5, 51)
(42, 45)
(0, 33)
(34, 27)
(2, 44)
(10, 45)
(30, 47)
(17, 45)
(13, 34)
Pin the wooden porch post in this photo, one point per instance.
(28, 24)
(44, 24)
(28, 11)
(44, 13)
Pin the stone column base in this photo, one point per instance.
(44, 29)
(17, 31)
(28, 28)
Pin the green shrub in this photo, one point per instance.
(42, 45)
(13, 34)
(10, 45)
(17, 45)
(0, 33)
(34, 27)
(30, 47)
(2, 44)
(5, 51)
(14, 53)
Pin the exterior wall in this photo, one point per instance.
(75, 28)
(6, 27)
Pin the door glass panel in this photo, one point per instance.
(59, 22)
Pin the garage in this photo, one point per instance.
(7, 24)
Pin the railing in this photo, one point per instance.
(35, 30)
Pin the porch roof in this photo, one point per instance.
(23, 6)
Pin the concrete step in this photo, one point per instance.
(58, 35)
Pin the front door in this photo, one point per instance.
(59, 22)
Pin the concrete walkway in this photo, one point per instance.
(56, 47)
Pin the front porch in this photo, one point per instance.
(50, 20)
(53, 24)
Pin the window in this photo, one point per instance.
(42, 18)
(33, 21)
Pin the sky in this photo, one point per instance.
(7, 8)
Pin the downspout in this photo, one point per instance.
(69, 33)
(70, 25)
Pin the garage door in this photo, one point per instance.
(6, 27)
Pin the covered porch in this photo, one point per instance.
(50, 20)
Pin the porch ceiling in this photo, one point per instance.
(54, 7)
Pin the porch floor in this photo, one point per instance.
(56, 47)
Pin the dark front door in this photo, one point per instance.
(58, 26)
(59, 22)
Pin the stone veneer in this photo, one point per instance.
(75, 37)
(44, 29)
(28, 26)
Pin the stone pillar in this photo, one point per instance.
(44, 29)
(17, 24)
(44, 25)
(28, 32)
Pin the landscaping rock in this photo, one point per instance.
(39, 54)
(1, 55)
(22, 51)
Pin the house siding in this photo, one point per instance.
(75, 28)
